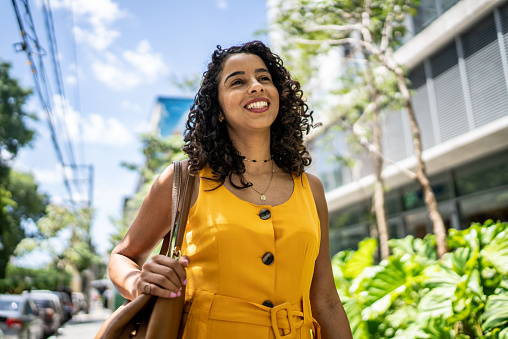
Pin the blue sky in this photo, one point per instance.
(127, 54)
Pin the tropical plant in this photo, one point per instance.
(413, 294)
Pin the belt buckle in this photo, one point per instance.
(273, 315)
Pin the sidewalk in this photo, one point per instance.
(83, 326)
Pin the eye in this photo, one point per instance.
(236, 82)
(264, 78)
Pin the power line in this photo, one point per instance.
(40, 77)
(77, 96)
(50, 28)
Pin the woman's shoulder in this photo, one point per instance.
(316, 187)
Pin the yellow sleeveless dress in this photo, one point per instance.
(251, 266)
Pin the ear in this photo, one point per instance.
(221, 117)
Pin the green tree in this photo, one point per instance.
(19, 279)
(21, 205)
(14, 132)
(370, 30)
(70, 227)
(20, 201)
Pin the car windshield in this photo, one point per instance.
(8, 305)
(42, 303)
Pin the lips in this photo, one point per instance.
(257, 105)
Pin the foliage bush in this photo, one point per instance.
(19, 279)
(412, 294)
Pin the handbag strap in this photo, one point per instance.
(182, 194)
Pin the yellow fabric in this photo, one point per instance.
(227, 279)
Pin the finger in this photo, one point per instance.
(169, 268)
(184, 260)
(162, 275)
(178, 267)
(158, 291)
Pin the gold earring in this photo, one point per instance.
(221, 119)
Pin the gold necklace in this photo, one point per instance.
(262, 194)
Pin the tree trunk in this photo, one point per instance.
(377, 160)
(421, 174)
(379, 194)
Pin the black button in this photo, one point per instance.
(268, 258)
(265, 214)
(268, 303)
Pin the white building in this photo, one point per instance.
(459, 70)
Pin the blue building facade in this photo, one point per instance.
(169, 115)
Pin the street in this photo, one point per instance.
(83, 326)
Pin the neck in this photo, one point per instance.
(253, 147)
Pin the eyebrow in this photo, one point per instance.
(257, 70)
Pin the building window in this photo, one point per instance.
(430, 10)
(482, 175)
(412, 196)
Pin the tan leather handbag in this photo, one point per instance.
(147, 316)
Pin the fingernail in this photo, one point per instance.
(185, 282)
(179, 293)
(185, 262)
(172, 295)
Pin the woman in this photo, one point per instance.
(257, 259)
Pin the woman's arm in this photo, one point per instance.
(327, 308)
(127, 268)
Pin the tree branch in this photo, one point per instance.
(337, 28)
(370, 148)
(368, 46)
(386, 33)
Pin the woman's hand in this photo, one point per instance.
(163, 276)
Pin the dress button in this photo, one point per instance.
(268, 303)
(268, 258)
(265, 214)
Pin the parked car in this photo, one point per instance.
(20, 317)
(66, 302)
(53, 312)
(79, 303)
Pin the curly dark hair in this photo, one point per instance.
(207, 139)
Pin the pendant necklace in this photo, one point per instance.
(262, 194)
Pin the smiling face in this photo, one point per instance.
(248, 98)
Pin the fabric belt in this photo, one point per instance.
(285, 318)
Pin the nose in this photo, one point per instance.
(256, 87)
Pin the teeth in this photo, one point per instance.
(258, 104)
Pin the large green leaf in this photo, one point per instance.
(496, 312)
(442, 282)
(496, 252)
(361, 259)
(384, 287)
(424, 249)
(354, 313)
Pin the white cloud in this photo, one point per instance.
(135, 68)
(221, 4)
(71, 80)
(98, 15)
(143, 127)
(48, 176)
(95, 129)
(99, 38)
(109, 131)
